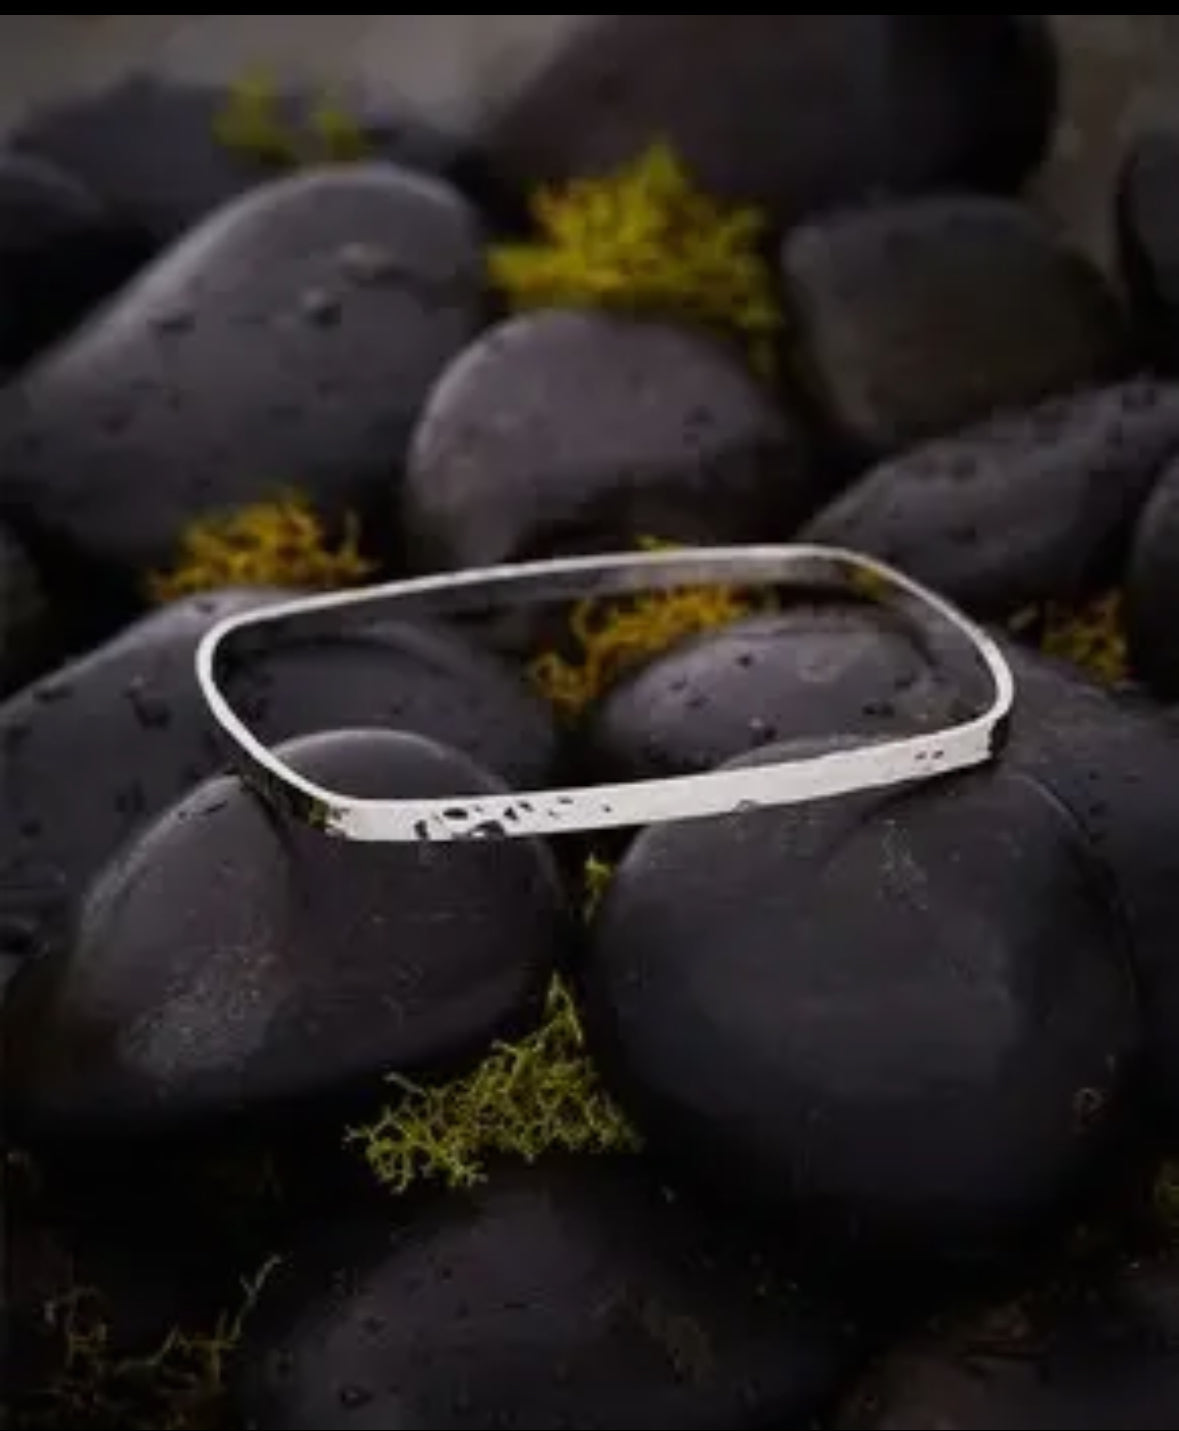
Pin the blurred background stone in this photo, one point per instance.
(453, 69)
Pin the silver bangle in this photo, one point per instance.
(519, 814)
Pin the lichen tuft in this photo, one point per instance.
(277, 543)
(644, 240)
(539, 1095)
(596, 876)
(1091, 635)
(613, 637)
(1165, 1197)
(253, 124)
(178, 1387)
(338, 137)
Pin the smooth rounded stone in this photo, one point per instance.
(571, 1294)
(131, 718)
(568, 430)
(151, 147)
(1152, 588)
(286, 342)
(1022, 508)
(227, 960)
(425, 678)
(1147, 229)
(61, 252)
(792, 112)
(801, 672)
(1101, 1356)
(1113, 760)
(901, 1024)
(911, 319)
(27, 640)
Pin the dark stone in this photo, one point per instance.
(582, 431)
(1099, 1356)
(226, 960)
(27, 640)
(912, 319)
(217, 379)
(61, 252)
(793, 112)
(150, 149)
(427, 679)
(1152, 588)
(900, 1024)
(1023, 508)
(1147, 228)
(1113, 759)
(131, 717)
(569, 1294)
(803, 672)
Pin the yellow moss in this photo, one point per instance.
(338, 137)
(612, 637)
(538, 1095)
(278, 543)
(177, 1387)
(596, 876)
(645, 240)
(1165, 1196)
(1092, 635)
(252, 123)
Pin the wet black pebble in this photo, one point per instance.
(27, 638)
(1147, 227)
(1152, 589)
(61, 252)
(802, 672)
(909, 320)
(224, 962)
(103, 744)
(901, 1025)
(1099, 1356)
(566, 431)
(151, 148)
(1023, 508)
(1113, 760)
(285, 343)
(563, 1295)
(793, 112)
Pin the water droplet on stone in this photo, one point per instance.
(51, 691)
(17, 935)
(367, 262)
(174, 320)
(151, 710)
(319, 306)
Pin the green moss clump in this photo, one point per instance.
(596, 876)
(1091, 635)
(337, 137)
(179, 1386)
(612, 637)
(645, 240)
(278, 543)
(1165, 1198)
(525, 1099)
(252, 123)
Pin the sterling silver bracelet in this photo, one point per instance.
(517, 814)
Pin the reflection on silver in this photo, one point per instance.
(518, 814)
